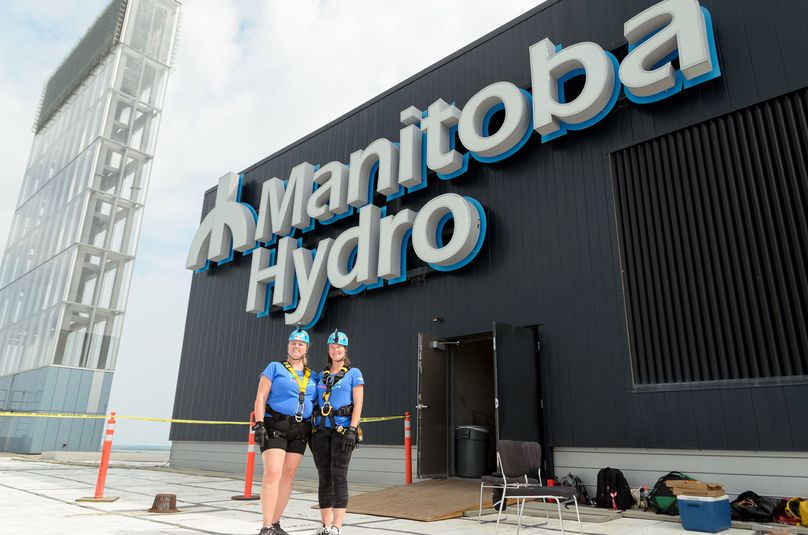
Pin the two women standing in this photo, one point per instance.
(289, 393)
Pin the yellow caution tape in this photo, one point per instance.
(167, 420)
(52, 415)
(118, 416)
(180, 421)
(380, 418)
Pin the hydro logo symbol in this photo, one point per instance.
(373, 253)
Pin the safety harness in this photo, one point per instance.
(285, 425)
(301, 386)
(327, 411)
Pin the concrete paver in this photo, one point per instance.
(39, 497)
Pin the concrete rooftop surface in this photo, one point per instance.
(38, 496)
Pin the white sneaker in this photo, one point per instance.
(322, 530)
(335, 530)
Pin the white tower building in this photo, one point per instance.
(66, 270)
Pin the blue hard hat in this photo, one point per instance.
(338, 337)
(300, 335)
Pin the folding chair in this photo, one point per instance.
(496, 480)
(515, 462)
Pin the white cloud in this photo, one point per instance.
(250, 78)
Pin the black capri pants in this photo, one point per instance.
(332, 462)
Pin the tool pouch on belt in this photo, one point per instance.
(303, 430)
(277, 426)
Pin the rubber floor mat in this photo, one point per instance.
(436, 499)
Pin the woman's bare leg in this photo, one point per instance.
(290, 464)
(339, 516)
(325, 516)
(273, 460)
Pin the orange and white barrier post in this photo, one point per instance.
(102, 467)
(248, 477)
(407, 449)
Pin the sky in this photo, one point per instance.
(249, 78)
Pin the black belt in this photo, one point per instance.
(279, 415)
(346, 410)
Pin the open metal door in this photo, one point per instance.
(517, 401)
(432, 447)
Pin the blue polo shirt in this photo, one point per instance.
(283, 394)
(341, 395)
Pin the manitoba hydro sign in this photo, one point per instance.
(374, 252)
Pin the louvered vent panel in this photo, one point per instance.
(713, 224)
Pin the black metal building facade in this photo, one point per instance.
(661, 252)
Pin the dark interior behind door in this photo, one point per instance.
(433, 436)
(518, 394)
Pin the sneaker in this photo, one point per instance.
(335, 530)
(266, 531)
(277, 529)
(322, 530)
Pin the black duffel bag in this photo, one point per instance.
(750, 506)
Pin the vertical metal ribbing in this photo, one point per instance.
(791, 166)
(618, 170)
(713, 223)
(770, 253)
(680, 296)
(701, 262)
(743, 343)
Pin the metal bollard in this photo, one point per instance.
(248, 477)
(407, 449)
(102, 467)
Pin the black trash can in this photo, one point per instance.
(471, 450)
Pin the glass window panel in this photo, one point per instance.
(124, 228)
(72, 335)
(26, 356)
(108, 172)
(147, 85)
(145, 122)
(4, 308)
(115, 285)
(85, 278)
(97, 224)
(121, 116)
(50, 318)
(106, 360)
(130, 78)
(152, 27)
(100, 341)
(134, 177)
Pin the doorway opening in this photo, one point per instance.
(471, 402)
(472, 391)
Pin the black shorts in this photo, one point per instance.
(292, 438)
(297, 445)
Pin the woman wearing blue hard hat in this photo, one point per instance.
(340, 394)
(286, 395)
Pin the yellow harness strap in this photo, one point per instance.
(301, 385)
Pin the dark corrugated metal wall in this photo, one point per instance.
(550, 257)
(712, 222)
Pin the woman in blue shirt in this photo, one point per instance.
(340, 394)
(283, 407)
